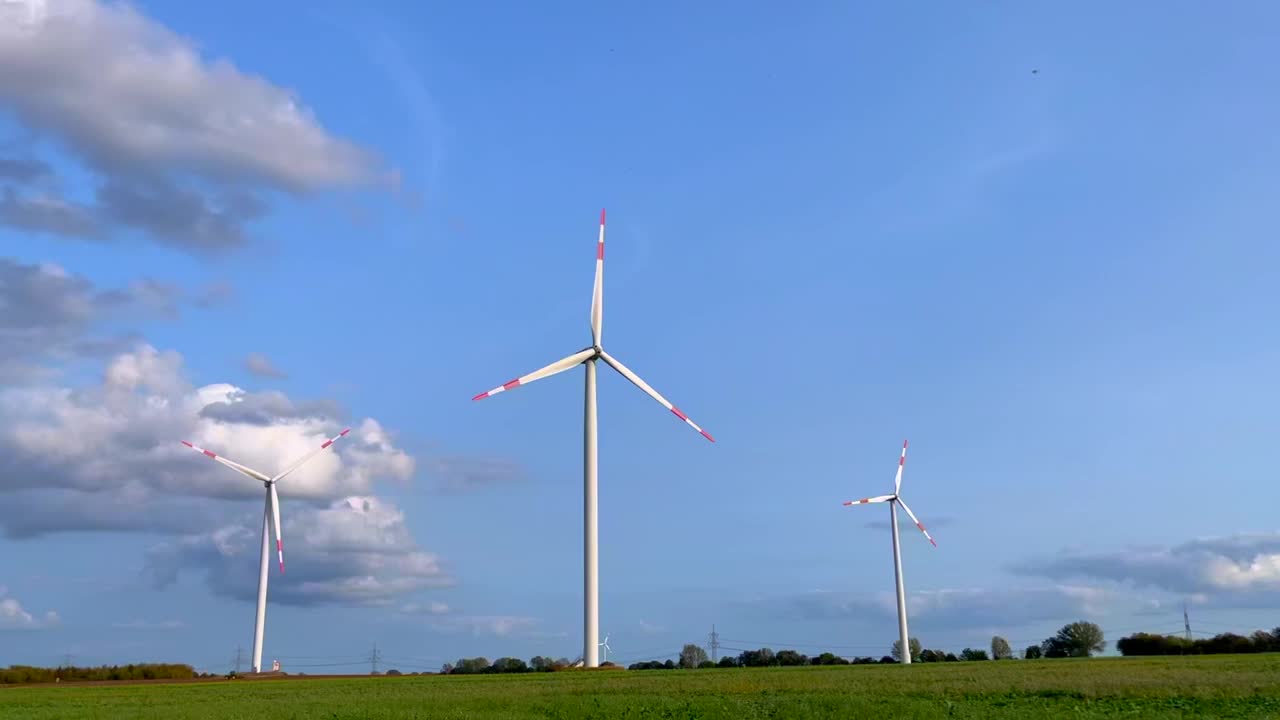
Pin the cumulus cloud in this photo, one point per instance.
(113, 449)
(183, 147)
(1239, 564)
(261, 366)
(267, 408)
(14, 617)
(46, 313)
(356, 551)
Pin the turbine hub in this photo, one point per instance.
(598, 349)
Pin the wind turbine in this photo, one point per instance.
(606, 647)
(588, 357)
(896, 499)
(270, 520)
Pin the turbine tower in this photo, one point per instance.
(588, 357)
(270, 520)
(896, 499)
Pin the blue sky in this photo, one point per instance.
(830, 228)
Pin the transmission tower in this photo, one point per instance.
(715, 644)
(1186, 621)
(239, 653)
(374, 657)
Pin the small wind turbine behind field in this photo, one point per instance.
(588, 357)
(270, 521)
(896, 499)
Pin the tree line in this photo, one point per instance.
(482, 666)
(1078, 639)
(22, 674)
(1222, 644)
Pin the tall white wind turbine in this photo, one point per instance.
(270, 523)
(588, 357)
(896, 499)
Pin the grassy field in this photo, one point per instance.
(1238, 686)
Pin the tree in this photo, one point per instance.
(1079, 639)
(1000, 649)
(790, 658)
(932, 656)
(827, 658)
(706, 664)
(470, 666)
(1263, 641)
(394, 673)
(757, 658)
(691, 656)
(951, 657)
(972, 654)
(727, 661)
(913, 643)
(508, 665)
(1032, 653)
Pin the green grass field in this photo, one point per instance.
(1235, 686)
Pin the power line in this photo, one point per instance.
(374, 657)
(715, 644)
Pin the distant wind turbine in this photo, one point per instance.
(605, 646)
(893, 499)
(588, 357)
(270, 520)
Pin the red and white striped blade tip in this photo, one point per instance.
(495, 391)
(680, 414)
(200, 449)
(331, 440)
(280, 552)
(601, 216)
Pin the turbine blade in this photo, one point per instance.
(635, 380)
(597, 291)
(249, 472)
(897, 479)
(916, 520)
(864, 501)
(299, 462)
(554, 368)
(275, 520)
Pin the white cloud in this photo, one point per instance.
(356, 551)
(14, 617)
(122, 439)
(47, 314)
(183, 147)
(1239, 564)
(123, 89)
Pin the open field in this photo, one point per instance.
(1235, 686)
